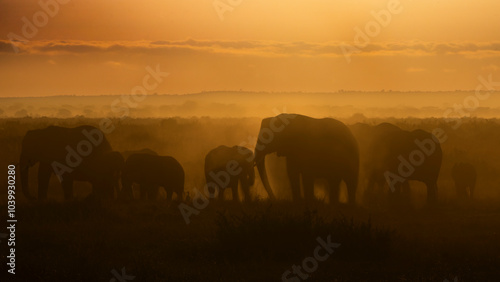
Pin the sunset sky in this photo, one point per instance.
(96, 47)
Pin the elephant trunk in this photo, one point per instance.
(260, 161)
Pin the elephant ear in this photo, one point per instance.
(287, 140)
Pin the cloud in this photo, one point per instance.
(113, 63)
(256, 48)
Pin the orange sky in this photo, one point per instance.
(97, 47)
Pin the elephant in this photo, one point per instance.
(396, 156)
(314, 148)
(225, 167)
(74, 154)
(464, 175)
(127, 154)
(151, 172)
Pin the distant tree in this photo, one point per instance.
(64, 113)
(21, 113)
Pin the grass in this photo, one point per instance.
(84, 241)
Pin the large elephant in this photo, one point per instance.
(313, 148)
(396, 156)
(225, 167)
(73, 154)
(151, 172)
(464, 175)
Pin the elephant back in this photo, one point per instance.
(218, 157)
(54, 143)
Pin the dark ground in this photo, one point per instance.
(85, 240)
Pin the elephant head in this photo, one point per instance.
(108, 169)
(271, 139)
(225, 167)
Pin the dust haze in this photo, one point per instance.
(342, 104)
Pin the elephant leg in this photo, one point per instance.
(395, 194)
(461, 190)
(351, 185)
(221, 193)
(308, 184)
(44, 173)
(153, 192)
(406, 192)
(397, 189)
(170, 193)
(180, 193)
(464, 191)
(432, 192)
(334, 190)
(126, 192)
(245, 186)
(234, 189)
(148, 192)
(294, 177)
(368, 195)
(144, 189)
(67, 185)
(116, 184)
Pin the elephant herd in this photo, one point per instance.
(385, 156)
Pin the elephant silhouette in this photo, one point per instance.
(151, 172)
(225, 167)
(143, 190)
(74, 154)
(464, 175)
(395, 156)
(314, 148)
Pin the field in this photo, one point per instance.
(85, 240)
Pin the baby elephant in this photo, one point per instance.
(464, 175)
(225, 167)
(150, 172)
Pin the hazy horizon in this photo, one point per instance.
(350, 105)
